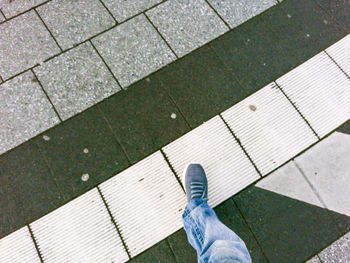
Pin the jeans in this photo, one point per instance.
(213, 241)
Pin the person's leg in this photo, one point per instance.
(213, 241)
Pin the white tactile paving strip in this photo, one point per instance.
(321, 92)
(340, 53)
(211, 144)
(146, 201)
(269, 128)
(80, 231)
(18, 247)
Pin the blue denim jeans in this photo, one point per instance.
(213, 241)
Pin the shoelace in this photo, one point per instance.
(197, 189)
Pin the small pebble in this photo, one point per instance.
(41, 63)
(86, 150)
(85, 177)
(173, 116)
(325, 21)
(46, 138)
(307, 35)
(148, 80)
(289, 16)
(252, 107)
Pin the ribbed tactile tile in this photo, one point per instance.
(227, 167)
(80, 231)
(18, 247)
(146, 202)
(269, 128)
(340, 52)
(321, 91)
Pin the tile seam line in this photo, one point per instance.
(47, 96)
(114, 222)
(173, 170)
(26, 11)
(248, 225)
(336, 63)
(109, 11)
(162, 37)
(47, 28)
(35, 243)
(240, 144)
(217, 13)
(171, 249)
(105, 63)
(296, 108)
(1, 12)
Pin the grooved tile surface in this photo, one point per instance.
(237, 12)
(12, 8)
(72, 22)
(212, 145)
(200, 85)
(340, 52)
(24, 42)
(269, 128)
(186, 24)
(80, 231)
(28, 190)
(133, 50)
(25, 111)
(320, 91)
(83, 146)
(123, 10)
(18, 247)
(76, 80)
(146, 202)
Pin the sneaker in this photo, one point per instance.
(195, 179)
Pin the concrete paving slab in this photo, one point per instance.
(28, 190)
(153, 210)
(290, 182)
(18, 246)
(12, 8)
(186, 25)
(25, 111)
(123, 10)
(200, 86)
(321, 92)
(212, 145)
(133, 50)
(158, 253)
(287, 230)
(341, 54)
(327, 166)
(315, 259)
(269, 128)
(183, 251)
(340, 9)
(144, 118)
(237, 12)
(81, 230)
(24, 42)
(255, 55)
(72, 22)
(338, 252)
(82, 153)
(76, 80)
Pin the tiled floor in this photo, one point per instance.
(100, 99)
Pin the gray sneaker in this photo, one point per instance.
(196, 185)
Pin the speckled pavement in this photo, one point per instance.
(103, 98)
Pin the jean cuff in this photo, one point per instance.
(192, 204)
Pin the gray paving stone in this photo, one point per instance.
(124, 9)
(72, 22)
(76, 80)
(186, 24)
(133, 50)
(315, 259)
(237, 12)
(24, 111)
(24, 42)
(12, 8)
(338, 252)
(327, 167)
